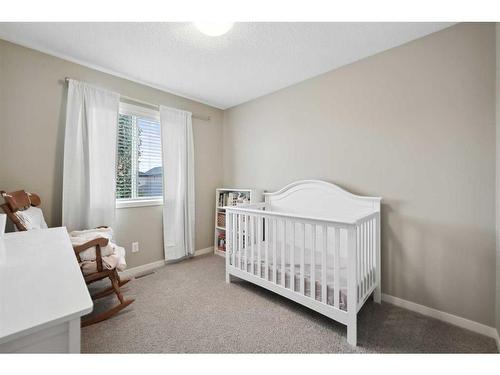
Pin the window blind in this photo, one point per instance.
(139, 159)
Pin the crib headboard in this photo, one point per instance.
(320, 199)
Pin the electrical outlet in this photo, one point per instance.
(135, 247)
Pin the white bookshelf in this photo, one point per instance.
(252, 198)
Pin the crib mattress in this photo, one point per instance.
(307, 280)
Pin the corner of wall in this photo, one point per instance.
(497, 180)
(224, 151)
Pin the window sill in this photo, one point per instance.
(129, 203)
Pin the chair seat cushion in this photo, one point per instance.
(110, 262)
(80, 237)
(31, 218)
(113, 256)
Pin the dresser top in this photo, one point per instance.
(41, 284)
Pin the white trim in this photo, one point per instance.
(128, 203)
(206, 250)
(497, 340)
(130, 272)
(134, 271)
(443, 316)
(139, 111)
(62, 56)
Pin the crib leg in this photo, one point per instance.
(377, 295)
(228, 277)
(352, 332)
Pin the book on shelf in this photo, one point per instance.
(233, 198)
(227, 198)
(221, 241)
(221, 219)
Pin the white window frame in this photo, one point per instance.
(135, 110)
(138, 202)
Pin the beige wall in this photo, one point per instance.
(497, 103)
(414, 125)
(32, 111)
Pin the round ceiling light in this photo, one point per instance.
(214, 28)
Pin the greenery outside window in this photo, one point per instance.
(139, 170)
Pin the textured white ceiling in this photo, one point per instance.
(252, 60)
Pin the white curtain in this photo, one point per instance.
(178, 183)
(89, 157)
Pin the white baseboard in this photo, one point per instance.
(130, 272)
(498, 340)
(444, 316)
(206, 250)
(134, 271)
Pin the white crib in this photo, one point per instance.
(311, 242)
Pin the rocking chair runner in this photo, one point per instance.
(20, 201)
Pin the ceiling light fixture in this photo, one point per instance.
(214, 28)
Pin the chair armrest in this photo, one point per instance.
(101, 242)
(98, 243)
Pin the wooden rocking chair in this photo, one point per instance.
(20, 201)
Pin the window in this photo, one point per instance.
(139, 172)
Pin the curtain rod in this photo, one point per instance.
(139, 101)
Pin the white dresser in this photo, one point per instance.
(42, 293)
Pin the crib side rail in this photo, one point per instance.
(368, 257)
(282, 249)
(247, 206)
(259, 209)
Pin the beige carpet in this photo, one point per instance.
(188, 308)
